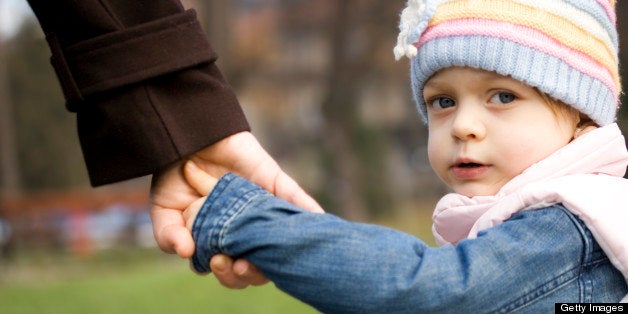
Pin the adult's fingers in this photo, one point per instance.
(170, 232)
(243, 155)
(288, 189)
(200, 180)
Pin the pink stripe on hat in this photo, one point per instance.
(610, 10)
(536, 40)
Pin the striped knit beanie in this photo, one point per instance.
(567, 49)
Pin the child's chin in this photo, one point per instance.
(472, 190)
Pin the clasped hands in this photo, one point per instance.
(171, 194)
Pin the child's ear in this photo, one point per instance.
(583, 130)
(585, 125)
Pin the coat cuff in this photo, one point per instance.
(129, 56)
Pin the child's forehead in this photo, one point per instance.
(456, 74)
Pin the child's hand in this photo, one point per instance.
(232, 274)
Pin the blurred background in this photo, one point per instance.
(320, 87)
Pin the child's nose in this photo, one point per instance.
(468, 125)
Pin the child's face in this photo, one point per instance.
(485, 129)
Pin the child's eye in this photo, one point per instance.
(503, 98)
(442, 103)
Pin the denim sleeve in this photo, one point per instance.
(340, 266)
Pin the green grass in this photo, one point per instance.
(144, 281)
(131, 283)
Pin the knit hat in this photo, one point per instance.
(567, 49)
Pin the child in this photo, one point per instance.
(520, 97)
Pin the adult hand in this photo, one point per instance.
(171, 194)
(232, 274)
(242, 154)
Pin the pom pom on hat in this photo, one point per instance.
(410, 18)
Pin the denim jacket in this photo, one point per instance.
(526, 264)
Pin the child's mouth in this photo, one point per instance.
(469, 165)
(469, 170)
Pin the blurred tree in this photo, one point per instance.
(215, 16)
(306, 72)
(354, 150)
(9, 174)
(47, 143)
(349, 172)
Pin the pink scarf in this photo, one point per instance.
(585, 176)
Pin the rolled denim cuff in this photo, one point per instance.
(228, 198)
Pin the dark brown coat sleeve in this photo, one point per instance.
(141, 77)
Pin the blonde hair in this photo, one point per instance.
(561, 109)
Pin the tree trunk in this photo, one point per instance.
(9, 166)
(339, 111)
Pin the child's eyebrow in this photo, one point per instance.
(436, 87)
(491, 78)
(432, 84)
(436, 83)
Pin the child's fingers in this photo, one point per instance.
(222, 267)
(200, 180)
(249, 273)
